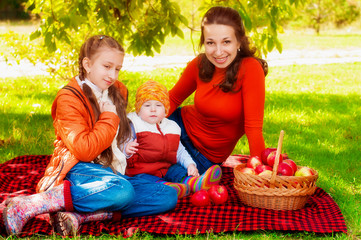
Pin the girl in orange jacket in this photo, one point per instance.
(84, 180)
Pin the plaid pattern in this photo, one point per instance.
(321, 214)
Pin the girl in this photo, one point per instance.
(85, 173)
(229, 85)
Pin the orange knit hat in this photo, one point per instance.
(152, 90)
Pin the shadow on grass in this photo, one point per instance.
(25, 134)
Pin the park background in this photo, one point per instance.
(313, 89)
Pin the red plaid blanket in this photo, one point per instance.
(321, 214)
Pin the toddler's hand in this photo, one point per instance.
(131, 148)
(107, 107)
(192, 170)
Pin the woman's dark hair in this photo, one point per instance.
(230, 17)
(89, 49)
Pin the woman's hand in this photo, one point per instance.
(192, 170)
(232, 161)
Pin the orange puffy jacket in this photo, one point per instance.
(78, 136)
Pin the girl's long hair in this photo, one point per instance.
(230, 17)
(88, 49)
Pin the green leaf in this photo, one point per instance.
(35, 35)
(82, 8)
(156, 46)
(180, 33)
(278, 45)
(270, 44)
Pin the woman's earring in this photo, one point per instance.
(239, 49)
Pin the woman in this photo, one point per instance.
(229, 85)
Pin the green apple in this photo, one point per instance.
(304, 171)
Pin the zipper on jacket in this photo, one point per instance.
(165, 142)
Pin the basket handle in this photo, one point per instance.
(277, 159)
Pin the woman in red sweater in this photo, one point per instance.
(228, 82)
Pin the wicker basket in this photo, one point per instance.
(273, 191)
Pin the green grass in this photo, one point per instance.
(318, 106)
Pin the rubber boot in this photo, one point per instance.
(20, 209)
(68, 223)
(211, 177)
(182, 189)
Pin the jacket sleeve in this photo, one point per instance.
(73, 126)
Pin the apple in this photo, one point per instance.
(265, 153)
(261, 168)
(291, 163)
(284, 169)
(253, 162)
(271, 158)
(218, 194)
(304, 171)
(266, 173)
(201, 198)
(248, 170)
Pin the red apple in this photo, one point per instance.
(265, 154)
(248, 170)
(266, 173)
(261, 168)
(253, 162)
(271, 158)
(284, 169)
(304, 171)
(218, 194)
(291, 163)
(201, 198)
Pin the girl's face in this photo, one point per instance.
(104, 66)
(152, 112)
(220, 44)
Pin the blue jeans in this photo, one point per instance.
(94, 188)
(202, 162)
(174, 174)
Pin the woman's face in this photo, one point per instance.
(103, 68)
(220, 44)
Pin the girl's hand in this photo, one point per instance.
(107, 107)
(131, 148)
(192, 170)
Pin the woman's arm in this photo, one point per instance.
(253, 91)
(185, 86)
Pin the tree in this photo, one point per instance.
(337, 12)
(142, 25)
(12, 9)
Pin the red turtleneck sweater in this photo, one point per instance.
(217, 120)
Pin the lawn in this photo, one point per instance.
(318, 106)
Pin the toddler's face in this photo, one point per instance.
(152, 111)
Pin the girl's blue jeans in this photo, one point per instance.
(202, 162)
(94, 188)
